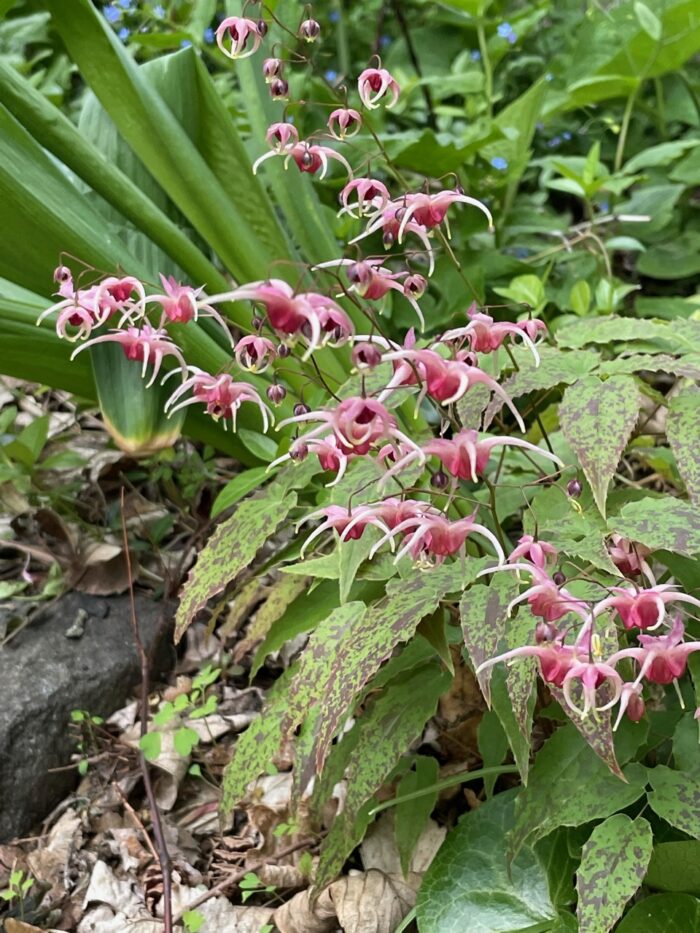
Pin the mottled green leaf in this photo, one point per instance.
(482, 612)
(520, 686)
(663, 913)
(411, 816)
(230, 549)
(688, 365)
(555, 368)
(683, 428)
(613, 864)
(675, 866)
(660, 523)
(237, 488)
(675, 797)
(255, 748)
(471, 886)
(597, 419)
(386, 729)
(348, 663)
(569, 785)
(677, 336)
(280, 595)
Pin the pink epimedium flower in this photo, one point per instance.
(344, 123)
(308, 157)
(629, 557)
(371, 196)
(430, 538)
(358, 424)
(182, 304)
(145, 344)
(221, 395)
(281, 137)
(255, 353)
(350, 524)
(539, 553)
(662, 658)
(446, 381)
(466, 457)
(374, 84)
(430, 210)
(546, 599)
(371, 280)
(238, 37)
(485, 335)
(642, 608)
(388, 220)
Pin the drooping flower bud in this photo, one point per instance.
(298, 451)
(276, 393)
(545, 631)
(635, 708)
(262, 28)
(373, 85)
(559, 579)
(257, 322)
(415, 286)
(574, 488)
(439, 480)
(271, 69)
(281, 136)
(279, 89)
(283, 351)
(366, 355)
(309, 30)
(301, 409)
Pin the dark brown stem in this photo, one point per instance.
(403, 25)
(161, 846)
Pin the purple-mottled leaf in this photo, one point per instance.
(688, 365)
(683, 429)
(231, 548)
(676, 798)
(660, 523)
(482, 611)
(613, 864)
(569, 786)
(597, 419)
(521, 677)
(386, 729)
(555, 368)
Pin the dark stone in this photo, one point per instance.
(44, 675)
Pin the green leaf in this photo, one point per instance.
(569, 785)
(675, 866)
(231, 548)
(613, 864)
(649, 22)
(676, 336)
(660, 523)
(676, 798)
(471, 886)
(26, 448)
(493, 746)
(386, 729)
(411, 816)
(597, 419)
(683, 429)
(150, 745)
(676, 258)
(580, 297)
(238, 487)
(524, 289)
(185, 740)
(663, 913)
(661, 154)
(347, 660)
(482, 613)
(555, 368)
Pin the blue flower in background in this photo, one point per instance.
(605, 206)
(499, 163)
(505, 31)
(475, 55)
(185, 44)
(112, 14)
(124, 4)
(334, 16)
(124, 33)
(331, 76)
(159, 11)
(554, 142)
(384, 41)
(566, 135)
(209, 35)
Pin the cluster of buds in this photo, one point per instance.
(590, 682)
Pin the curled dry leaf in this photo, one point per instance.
(380, 852)
(49, 864)
(363, 902)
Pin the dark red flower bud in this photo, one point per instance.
(276, 393)
(283, 351)
(439, 480)
(309, 30)
(301, 409)
(359, 273)
(257, 322)
(635, 708)
(279, 89)
(559, 578)
(574, 488)
(545, 631)
(388, 239)
(262, 28)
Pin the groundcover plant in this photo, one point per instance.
(504, 488)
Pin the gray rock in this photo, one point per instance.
(44, 675)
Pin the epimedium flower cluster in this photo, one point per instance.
(436, 372)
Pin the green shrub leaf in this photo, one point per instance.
(660, 523)
(663, 913)
(676, 798)
(683, 428)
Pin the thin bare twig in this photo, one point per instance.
(161, 846)
(235, 876)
